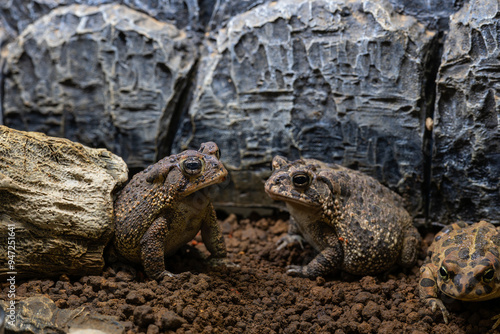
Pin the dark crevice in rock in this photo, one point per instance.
(429, 91)
(181, 106)
(207, 8)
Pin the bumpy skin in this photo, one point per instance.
(161, 209)
(463, 262)
(356, 224)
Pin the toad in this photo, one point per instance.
(163, 207)
(356, 224)
(463, 262)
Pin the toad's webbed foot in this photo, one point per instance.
(434, 303)
(297, 271)
(159, 277)
(221, 262)
(288, 240)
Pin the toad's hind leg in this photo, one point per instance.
(409, 250)
(153, 249)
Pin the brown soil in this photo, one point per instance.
(258, 296)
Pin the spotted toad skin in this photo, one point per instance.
(162, 208)
(463, 263)
(356, 224)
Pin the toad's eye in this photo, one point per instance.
(489, 275)
(192, 166)
(444, 273)
(301, 180)
(218, 154)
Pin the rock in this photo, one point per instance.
(189, 313)
(466, 162)
(169, 320)
(39, 314)
(136, 298)
(435, 13)
(17, 15)
(341, 81)
(105, 76)
(143, 315)
(153, 329)
(57, 204)
(226, 9)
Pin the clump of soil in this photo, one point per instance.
(257, 296)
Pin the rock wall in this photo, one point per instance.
(184, 14)
(353, 82)
(104, 76)
(339, 80)
(57, 204)
(466, 162)
(435, 14)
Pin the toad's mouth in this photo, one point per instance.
(201, 186)
(471, 297)
(294, 198)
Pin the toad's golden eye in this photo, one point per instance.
(301, 180)
(444, 273)
(489, 275)
(218, 154)
(192, 166)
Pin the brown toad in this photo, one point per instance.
(463, 263)
(161, 209)
(356, 224)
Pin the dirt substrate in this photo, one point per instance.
(258, 296)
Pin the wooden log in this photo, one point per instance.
(56, 204)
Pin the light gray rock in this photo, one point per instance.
(105, 76)
(57, 204)
(39, 314)
(341, 81)
(466, 162)
(16, 15)
(225, 10)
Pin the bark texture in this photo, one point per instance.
(57, 197)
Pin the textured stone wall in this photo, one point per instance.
(466, 162)
(337, 80)
(104, 76)
(18, 14)
(435, 14)
(353, 82)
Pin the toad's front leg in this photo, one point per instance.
(327, 261)
(293, 236)
(497, 322)
(323, 264)
(153, 249)
(214, 240)
(429, 291)
(212, 235)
